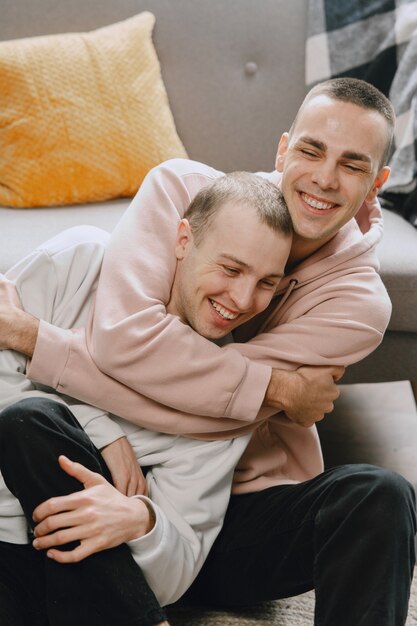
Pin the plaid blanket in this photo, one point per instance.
(375, 40)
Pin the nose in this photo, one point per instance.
(325, 175)
(243, 295)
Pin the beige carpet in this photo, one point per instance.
(297, 611)
(371, 423)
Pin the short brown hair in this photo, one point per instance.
(248, 189)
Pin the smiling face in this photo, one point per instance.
(231, 275)
(330, 164)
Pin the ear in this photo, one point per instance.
(380, 180)
(282, 149)
(183, 240)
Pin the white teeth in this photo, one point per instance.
(315, 204)
(226, 314)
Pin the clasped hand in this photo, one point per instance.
(98, 517)
(305, 394)
(125, 470)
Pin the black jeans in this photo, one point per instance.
(348, 533)
(105, 589)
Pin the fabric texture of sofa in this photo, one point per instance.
(234, 74)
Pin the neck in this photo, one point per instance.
(172, 308)
(302, 248)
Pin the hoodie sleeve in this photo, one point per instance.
(131, 337)
(336, 321)
(133, 340)
(167, 559)
(53, 288)
(189, 493)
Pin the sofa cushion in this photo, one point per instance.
(397, 253)
(83, 116)
(27, 228)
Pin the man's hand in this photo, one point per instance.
(18, 329)
(305, 394)
(99, 517)
(125, 470)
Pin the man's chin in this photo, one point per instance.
(213, 333)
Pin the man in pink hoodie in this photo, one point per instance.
(348, 531)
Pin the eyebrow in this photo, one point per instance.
(348, 154)
(230, 257)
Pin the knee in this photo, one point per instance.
(394, 495)
(23, 418)
(386, 496)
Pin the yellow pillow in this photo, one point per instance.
(83, 116)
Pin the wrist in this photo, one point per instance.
(144, 516)
(277, 390)
(24, 333)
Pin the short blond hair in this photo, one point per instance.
(248, 189)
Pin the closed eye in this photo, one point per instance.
(308, 153)
(270, 284)
(232, 271)
(353, 168)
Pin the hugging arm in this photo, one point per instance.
(233, 382)
(131, 337)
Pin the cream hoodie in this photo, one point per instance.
(157, 372)
(189, 480)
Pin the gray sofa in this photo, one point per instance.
(234, 72)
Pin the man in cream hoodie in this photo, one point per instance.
(189, 481)
(289, 527)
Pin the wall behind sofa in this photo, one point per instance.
(234, 69)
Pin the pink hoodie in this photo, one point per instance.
(157, 372)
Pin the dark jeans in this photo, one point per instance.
(348, 533)
(107, 588)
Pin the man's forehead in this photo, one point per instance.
(332, 109)
(248, 266)
(358, 130)
(237, 232)
(322, 100)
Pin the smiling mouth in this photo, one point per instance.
(319, 205)
(224, 313)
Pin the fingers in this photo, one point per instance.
(142, 489)
(86, 535)
(126, 472)
(61, 537)
(133, 484)
(309, 422)
(78, 516)
(138, 486)
(132, 487)
(80, 472)
(85, 549)
(56, 505)
(338, 372)
(71, 501)
(120, 483)
(61, 504)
